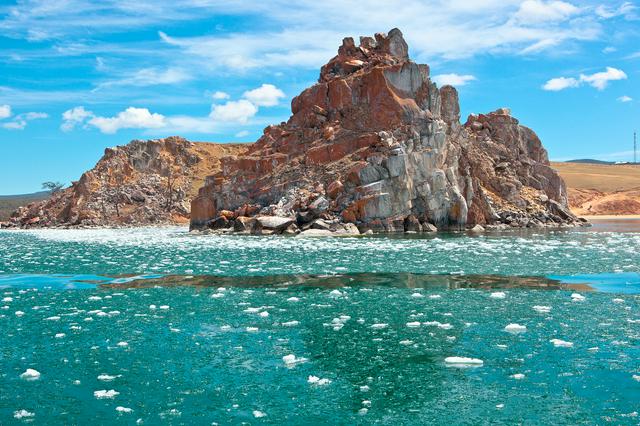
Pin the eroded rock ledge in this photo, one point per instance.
(376, 146)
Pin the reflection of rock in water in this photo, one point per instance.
(401, 280)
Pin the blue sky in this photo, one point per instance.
(77, 76)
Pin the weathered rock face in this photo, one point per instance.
(380, 143)
(141, 183)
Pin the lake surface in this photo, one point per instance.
(156, 326)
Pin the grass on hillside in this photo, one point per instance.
(601, 177)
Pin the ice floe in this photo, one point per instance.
(293, 299)
(292, 360)
(290, 323)
(59, 335)
(19, 313)
(23, 414)
(515, 328)
(106, 394)
(636, 377)
(122, 344)
(576, 297)
(561, 343)
(542, 309)
(107, 377)
(413, 324)
(498, 295)
(120, 409)
(379, 326)
(315, 380)
(30, 374)
(258, 414)
(406, 342)
(517, 376)
(617, 300)
(460, 361)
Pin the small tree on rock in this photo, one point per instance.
(53, 187)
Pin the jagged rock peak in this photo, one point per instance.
(382, 49)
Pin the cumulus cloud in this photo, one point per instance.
(453, 79)
(537, 11)
(73, 117)
(5, 111)
(599, 80)
(265, 95)
(19, 122)
(220, 95)
(234, 111)
(560, 83)
(625, 99)
(130, 118)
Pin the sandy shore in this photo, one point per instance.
(612, 217)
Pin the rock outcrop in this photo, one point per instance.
(376, 144)
(144, 182)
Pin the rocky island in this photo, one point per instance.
(373, 146)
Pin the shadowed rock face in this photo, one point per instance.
(384, 146)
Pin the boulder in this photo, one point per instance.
(274, 223)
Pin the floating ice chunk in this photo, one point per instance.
(499, 406)
(152, 307)
(30, 374)
(364, 388)
(406, 342)
(379, 326)
(264, 314)
(164, 307)
(174, 330)
(77, 382)
(515, 328)
(59, 335)
(217, 295)
(618, 300)
(251, 329)
(498, 295)
(336, 293)
(594, 349)
(106, 394)
(123, 409)
(445, 326)
(7, 299)
(94, 298)
(501, 346)
(462, 362)
(53, 318)
(107, 378)
(225, 327)
(435, 296)
(258, 414)
(19, 313)
(577, 297)
(363, 411)
(23, 414)
(561, 343)
(292, 360)
(315, 380)
(252, 310)
(413, 324)
(75, 327)
(290, 323)
(517, 376)
(293, 299)
(122, 344)
(542, 309)
(417, 295)
(636, 377)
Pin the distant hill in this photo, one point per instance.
(589, 161)
(8, 203)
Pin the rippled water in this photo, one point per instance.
(193, 330)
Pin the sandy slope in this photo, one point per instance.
(596, 189)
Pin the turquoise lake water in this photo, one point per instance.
(156, 326)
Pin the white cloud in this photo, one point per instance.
(560, 83)
(5, 111)
(234, 111)
(220, 95)
(453, 79)
(537, 11)
(625, 99)
(609, 49)
(149, 77)
(626, 9)
(15, 125)
(599, 80)
(20, 121)
(131, 118)
(265, 95)
(242, 134)
(73, 117)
